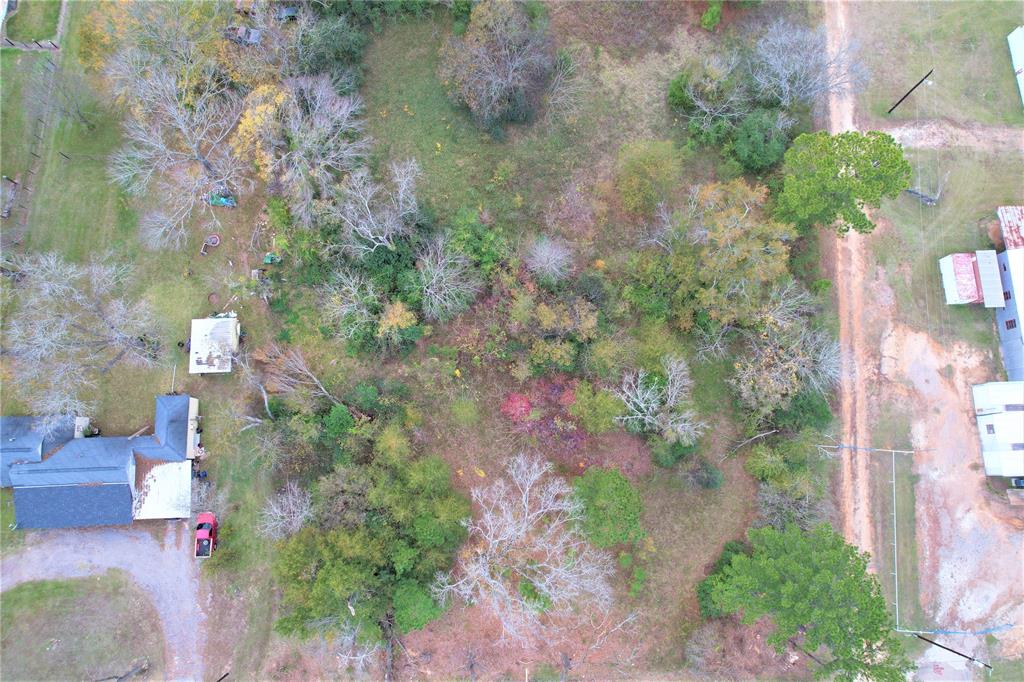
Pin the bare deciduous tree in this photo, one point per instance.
(792, 63)
(527, 562)
(72, 322)
(180, 114)
(350, 303)
(320, 137)
(661, 405)
(288, 371)
(549, 258)
(498, 65)
(373, 216)
(785, 355)
(778, 508)
(718, 93)
(285, 513)
(449, 281)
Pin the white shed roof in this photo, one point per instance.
(214, 340)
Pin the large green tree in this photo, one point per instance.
(829, 179)
(387, 523)
(815, 584)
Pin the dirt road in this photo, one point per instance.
(849, 257)
(165, 570)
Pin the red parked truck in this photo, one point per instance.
(206, 535)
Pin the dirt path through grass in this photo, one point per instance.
(163, 568)
(945, 133)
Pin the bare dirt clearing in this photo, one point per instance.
(160, 562)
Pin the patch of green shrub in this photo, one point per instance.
(706, 475)
(667, 455)
(414, 607)
(279, 218)
(678, 93)
(808, 409)
(712, 15)
(705, 587)
(647, 173)
(484, 245)
(596, 408)
(758, 143)
(612, 507)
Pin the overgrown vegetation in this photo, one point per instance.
(465, 295)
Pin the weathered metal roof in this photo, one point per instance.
(1011, 222)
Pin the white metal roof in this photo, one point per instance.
(988, 278)
(214, 340)
(1016, 41)
(165, 492)
(999, 409)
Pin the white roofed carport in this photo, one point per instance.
(214, 341)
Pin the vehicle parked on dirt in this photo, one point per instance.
(1017, 482)
(206, 535)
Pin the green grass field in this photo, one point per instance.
(85, 629)
(973, 185)
(34, 20)
(10, 540)
(15, 131)
(964, 42)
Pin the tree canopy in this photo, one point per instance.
(831, 178)
(386, 527)
(815, 584)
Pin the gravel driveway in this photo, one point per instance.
(165, 570)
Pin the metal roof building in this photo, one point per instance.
(1011, 275)
(111, 480)
(999, 409)
(972, 278)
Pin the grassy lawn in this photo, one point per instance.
(688, 528)
(16, 67)
(85, 629)
(965, 42)
(34, 20)
(10, 540)
(409, 114)
(973, 185)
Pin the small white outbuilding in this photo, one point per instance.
(213, 343)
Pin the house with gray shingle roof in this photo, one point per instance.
(102, 480)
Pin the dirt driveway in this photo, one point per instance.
(157, 556)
